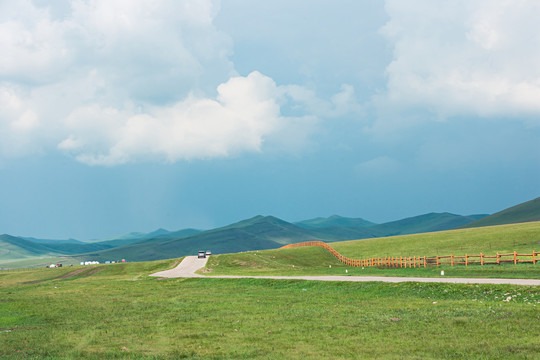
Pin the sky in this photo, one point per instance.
(133, 115)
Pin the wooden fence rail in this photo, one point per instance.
(423, 261)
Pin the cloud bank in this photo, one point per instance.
(244, 112)
(475, 58)
(126, 81)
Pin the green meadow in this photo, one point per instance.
(117, 312)
(523, 238)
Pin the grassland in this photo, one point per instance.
(524, 237)
(38, 261)
(317, 261)
(524, 212)
(117, 311)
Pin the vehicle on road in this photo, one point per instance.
(208, 253)
(202, 254)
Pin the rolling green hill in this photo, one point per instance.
(424, 223)
(522, 237)
(12, 247)
(260, 232)
(524, 212)
(257, 233)
(336, 228)
(138, 237)
(333, 221)
(21, 248)
(268, 232)
(504, 238)
(51, 241)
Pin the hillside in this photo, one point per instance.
(13, 247)
(19, 248)
(268, 232)
(258, 233)
(337, 228)
(163, 234)
(333, 221)
(524, 212)
(523, 238)
(424, 223)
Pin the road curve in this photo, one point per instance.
(190, 264)
(186, 268)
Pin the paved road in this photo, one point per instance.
(190, 264)
(186, 268)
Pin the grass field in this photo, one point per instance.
(317, 261)
(524, 237)
(117, 311)
(38, 261)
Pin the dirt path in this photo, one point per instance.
(190, 264)
(88, 272)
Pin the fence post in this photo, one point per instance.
(437, 260)
(466, 262)
(424, 260)
(451, 260)
(534, 259)
(498, 258)
(515, 258)
(414, 261)
(400, 262)
(481, 259)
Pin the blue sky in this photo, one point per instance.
(133, 115)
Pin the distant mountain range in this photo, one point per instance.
(257, 233)
(337, 228)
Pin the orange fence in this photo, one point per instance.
(423, 261)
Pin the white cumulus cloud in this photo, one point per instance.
(464, 57)
(111, 82)
(244, 112)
